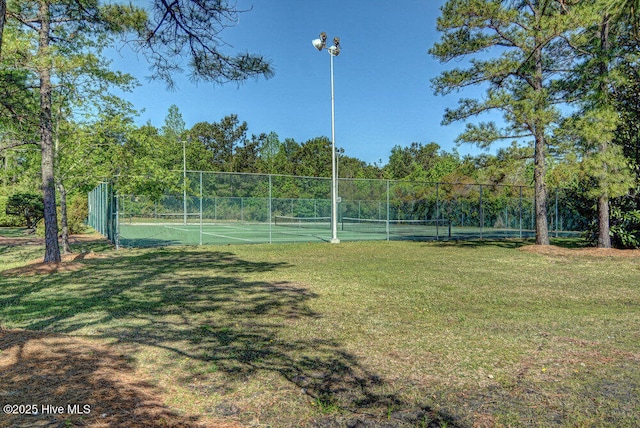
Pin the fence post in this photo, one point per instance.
(98, 197)
(103, 212)
(481, 214)
(92, 209)
(533, 213)
(556, 213)
(520, 209)
(117, 228)
(270, 207)
(437, 211)
(200, 207)
(98, 202)
(109, 217)
(506, 217)
(388, 207)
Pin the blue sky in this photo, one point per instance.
(383, 95)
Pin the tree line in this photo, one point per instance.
(53, 69)
(562, 74)
(538, 60)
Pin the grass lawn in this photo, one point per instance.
(14, 232)
(387, 334)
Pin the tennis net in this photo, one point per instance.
(434, 227)
(303, 222)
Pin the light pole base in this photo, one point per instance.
(335, 241)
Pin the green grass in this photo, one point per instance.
(13, 232)
(11, 256)
(17, 256)
(395, 333)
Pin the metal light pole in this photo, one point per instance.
(334, 50)
(184, 179)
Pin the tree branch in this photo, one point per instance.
(17, 143)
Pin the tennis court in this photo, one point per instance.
(283, 229)
(150, 234)
(230, 208)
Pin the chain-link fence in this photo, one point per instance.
(103, 215)
(221, 208)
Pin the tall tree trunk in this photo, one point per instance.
(540, 169)
(542, 227)
(52, 249)
(604, 238)
(3, 15)
(64, 224)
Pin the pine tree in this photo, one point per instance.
(518, 52)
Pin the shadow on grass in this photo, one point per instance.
(66, 381)
(147, 242)
(484, 243)
(570, 242)
(511, 243)
(200, 305)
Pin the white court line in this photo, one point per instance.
(177, 228)
(227, 237)
(206, 233)
(304, 234)
(229, 226)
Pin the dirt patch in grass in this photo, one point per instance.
(70, 263)
(553, 250)
(22, 240)
(69, 381)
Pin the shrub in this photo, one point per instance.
(625, 228)
(29, 207)
(8, 220)
(77, 213)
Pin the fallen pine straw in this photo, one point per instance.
(47, 371)
(69, 263)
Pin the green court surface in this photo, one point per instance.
(154, 234)
(221, 233)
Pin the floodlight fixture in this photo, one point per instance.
(320, 43)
